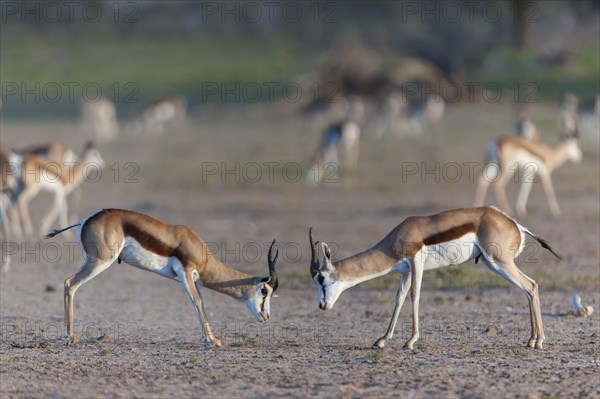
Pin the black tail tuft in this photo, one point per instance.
(52, 234)
(545, 244)
(58, 231)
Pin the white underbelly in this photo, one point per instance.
(453, 252)
(136, 255)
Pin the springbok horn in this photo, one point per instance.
(314, 260)
(273, 281)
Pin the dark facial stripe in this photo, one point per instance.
(450, 234)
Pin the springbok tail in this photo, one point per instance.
(58, 231)
(542, 242)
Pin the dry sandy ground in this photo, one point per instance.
(139, 334)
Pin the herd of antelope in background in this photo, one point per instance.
(57, 169)
(415, 245)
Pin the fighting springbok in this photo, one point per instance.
(508, 154)
(175, 252)
(430, 242)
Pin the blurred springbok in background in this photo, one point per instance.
(408, 115)
(60, 178)
(338, 150)
(507, 154)
(100, 119)
(159, 114)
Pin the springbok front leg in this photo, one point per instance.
(481, 191)
(523, 196)
(187, 280)
(23, 200)
(74, 202)
(59, 209)
(415, 292)
(549, 190)
(400, 297)
(500, 189)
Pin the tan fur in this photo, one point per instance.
(544, 160)
(103, 235)
(100, 119)
(499, 239)
(52, 152)
(157, 115)
(58, 177)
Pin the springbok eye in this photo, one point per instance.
(321, 280)
(264, 291)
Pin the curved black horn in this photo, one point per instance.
(273, 281)
(314, 258)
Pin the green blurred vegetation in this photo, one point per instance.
(508, 66)
(136, 69)
(176, 48)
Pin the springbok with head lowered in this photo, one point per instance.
(175, 252)
(430, 242)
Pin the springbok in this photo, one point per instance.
(39, 174)
(100, 119)
(405, 115)
(339, 147)
(430, 242)
(53, 152)
(155, 116)
(175, 252)
(507, 154)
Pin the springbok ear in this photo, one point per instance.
(326, 251)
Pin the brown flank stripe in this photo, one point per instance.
(450, 234)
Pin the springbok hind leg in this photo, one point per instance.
(507, 268)
(90, 269)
